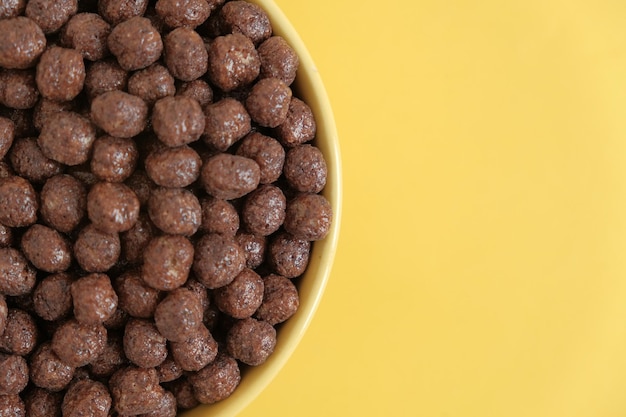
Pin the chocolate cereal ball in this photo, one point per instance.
(103, 76)
(7, 134)
(22, 119)
(135, 240)
(22, 43)
(135, 43)
(117, 11)
(119, 114)
(45, 108)
(117, 321)
(95, 250)
(111, 359)
(18, 89)
(43, 403)
(233, 62)
(67, 137)
(219, 216)
(135, 296)
(175, 211)
(87, 33)
(278, 60)
(169, 370)
(183, 392)
(86, 398)
(60, 74)
(173, 167)
(242, 297)
(251, 341)
(189, 13)
(13, 374)
(166, 408)
(195, 352)
(268, 154)
(218, 260)
(112, 207)
(179, 316)
(21, 333)
(63, 202)
(288, 256)
(52, 299)
(19, 202)
(79, 344)
(177, 120)
(198, 90)
(12, 8)
(152, 83)
(227, 121)
(227, 176)
(48, 371)
(185, 54)
(253, 247)
(28, 161)
(135, 390)
(245, 18)
(305, 169)
(217, 381)
(264, 210)
(166, 262)
(280, 300)
(308, 217)
(94, 299)
(141, 185)
(12, 406)
(114, 159)
(143, 344)
(299, 126)
(46, 249)
(17, 276)
(50, 15)
(268, 102)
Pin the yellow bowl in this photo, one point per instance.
(308, 86)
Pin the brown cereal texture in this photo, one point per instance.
(21, 333)
(169, 370)
(114, 159)
(228, 177)
(18, 89)
(46, 249)
(308, 217)
(60, 74)
(111, 359)
(136, 297)
(22, 43)
(218, 260)
(305, 169)
(135, 240)
(63, 202)
(179, 316)
(87, 33)
(144, 346)
(167, 261)
(20, 203)
(12, 8)
(141, 185)
(93, 298)
(280, 300)
(4, 312)
(79, 344)
(112, 207)
(299, 126)
(152, 83)
(67, 137)
(267, 152)
(135, 43)
(278, 60)
(135, 390)
(219, 216)
(95, 250)
(48, 371)
(227, 121)
(166, 407)
(43, 403)
(253, 247)
(195, 352)
(242, 297)
(119, 114)
(198, 90)
(28, 161)
(86, 398)
(189, 13)
(245, 18)
(216, 381)
(7, 134)
(103, 76)
(185, 54)
(264, 210)
(117, 11)
(51, 15)
(183, 392)
(45, 108)
(177, 120)
(251, 341)
(288, 255)
(233, 62)
(13, 374)
(17, 276)
(173, 167)
(175, 211)
(12, 406)
(268, 102)
(52, 299)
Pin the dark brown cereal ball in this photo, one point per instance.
(195, 352)
(22, 119)
(51, 15)
(267, 152)
(13, 374)
(28, 161)
(278, 60)
(179, 316)
(63, 202)
(198, 90)
(48, 371)
(264, 210)
(169, 370)
(46, 248)
(12, 406)
(12, 8)
(251, 341)
(280, 300)
(111, 359)
(119, 114)
(199, 290)
(79, 344)
(52, 299)
(268, 102)
(253, 247)
(60, 74)
(219, 216)
(167, 260)
(45, 108)
(233, 62)
(17, 276)
(114, 159)
(135, 240)
(117, 321)
(143, 344)
(227, 176)
(173, 167)
(112, 207)
(185, 54)
(175, 211)
(103, 76)
(93, 298)
(95, 250)
(141, 185)
(21, 333)
(87, 33)
(82, 173)
(152, 83)
(43, 403)
(135, 43)
(4, 313)
(183, 391)
(86, 398)
(166, 408)
(19, 202)
(288, 256)
(218, 260)
(242, 297)
(299, 126)
(117, 11)
(227, 121)
(7, 134)
(18, 89)
(135, 390)
(22, 43)
(135, 296)
(246, 18)
(189, 13)
(308, 217)
(67, 137)
(305, 169)
(177, 120)
(217, 381)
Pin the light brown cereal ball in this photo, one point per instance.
(253, 247)
(177, 13)
(135, 43)
(152, 83)
(46, 249)
(305, 169)
(288, 255)
(198, 90)
(242, 297)
(63, 202)
(228, 177)
(20, 203)
(95, 250)
(175, 211)
(268, 102)
(18, 89)
(173, 167)
(267, 152)
(114, 159)
(103, 76)
(79, 344)
(60, 74)
(245, 18)
(17, 276)
(135, 390)
(177, 120)
(22, 44)
(51, 15)
(251, 341)
(13, 374)
(87, 33)
(219, 216)
(112, 207)
(117, 11)
(86, 398)
(280, 300)
(308, 217)
(278, 60)
(299, 126)
(48, 371)
(67, 137)
(195, 352)
(166, 262)
(217, 381)
(185, 54)
(12, 406)
(28, 161)
(52, 299)
(21, 333)
(12, 8)
(233, 62)
(119, 114)
(264, 210)
(179, 316)
(143, 344)
(93, 298)
(227, 121)
(218, 260)
(135, 296)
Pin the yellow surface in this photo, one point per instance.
(481, 268)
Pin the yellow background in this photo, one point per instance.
(481, 268)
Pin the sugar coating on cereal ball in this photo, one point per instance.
(48, 371)
(67, 137)
(219, 216)
(280, 300)
(144, 346)
(251, 341)
(177, 13)
(12, 405)
(218, 260)
(288, 255)
(86, 398)
(117, 11)
(268, 102)
(119, 114)
(135, 43)
(216, 381)
(103, 76)
(93, 298)
(278, 60)
(87, 33)
(299, 126)
(17, 276)
(136, 297)
(267, 152)
(198, 90)
(13, 374)
(112, 207)
(228, 177)
(167, 261)
(227, 121)
(63, 202)
(166, 408)
(242, 297)
(46, 249)
(114, 159)
(12, 8)
(111, 359)
(177, 120)
(185, 54)
(233, 62)
(18, 89)
(51, 15)
(27, 160)
(308, 217)
(79, 344)
(179, 315)
(7, 135)
(60, 74)
(173, 167)
(152, 83)
(175, 211)
(52, 299)
(264, 210)
(22, 43)
(21, 333)
(20, 203)
(135, 390)
(95, 250)
(195, 352)
(245, 18)
(40, 402)
(135, 240)
(253, 247)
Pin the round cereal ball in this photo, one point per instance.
(152, 83)
(95, 250)
(18, 89)
(93, 298)
(51, 15)
(233, 62)
(141, 185)
(173, 167)
(119, 114)
(268, 102)
(60, 74)
(4, 313)
(22, 43)
(117, 321)
(52, 299)
(242, 297)
(217, 381)
(245, 18)
(135, 240)
(198, 90)
(199, 290)
(136, 297)
(308, 217)
(183, 392)
(63, 202)
(86, 398)
(48, 371)
(28, 161)
(251, 341)
(185, 54)
(7, 135)
(175, 211)
(12, 405)
(179, 315)
(12, 8)
(13, 374)
(228, 177)
(43, 403)
(267, 152)
(177, 120)
(114, 159)
(87, 33)
(280, 300)
(103, 76)
(227, 121)
(46, 249)
(112, 207)
(111, 359)
(17, 276)
(278, 60)
(288, 256)
(167, 406)
(299, 126)
(253, 247)
(117, 11)
(67, 137)
(45, 108)
(177, 13)
(195, 352)
(19, 202)
(305, 169)
(169, 370)
(143, 344)
(135, 390)
(218, 260)
(167, 261)
(135, 43)
(219, 216)
(264, 210)
(79, 344)
(21, 333)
